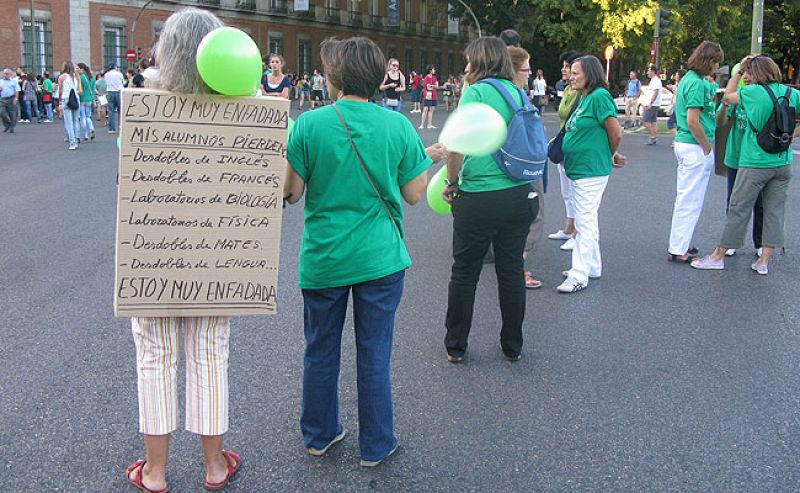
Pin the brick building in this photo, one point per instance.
(100, 32)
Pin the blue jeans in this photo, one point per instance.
(113, 108)
(86, 119)
(48, 108)
(72, 125)
(33, 110)
(374, 306)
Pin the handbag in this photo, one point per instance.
(366, 173)
(392, 102)
(72, 100)
(554, 148)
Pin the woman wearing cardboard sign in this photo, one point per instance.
(205, 338)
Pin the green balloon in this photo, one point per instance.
(476, 129)
(435, 187)
(229, 62)
(735, 69)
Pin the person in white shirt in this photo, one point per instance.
(539, 90)
(650, 115)
(114, 84)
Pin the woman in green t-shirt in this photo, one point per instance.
(695, 115)
(356, 163)
(488, 209)
(592, 137)
(568, 100)
(738, 125)
(759, 172)
(87, 102)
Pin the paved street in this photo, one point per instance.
(658, 377)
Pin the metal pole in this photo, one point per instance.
(608, 69)
(477, 24)
(756, 39)
(133, 25)
(34, 48)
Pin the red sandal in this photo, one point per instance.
(233, 467)
(138, 466)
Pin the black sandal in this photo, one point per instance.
(671, 257)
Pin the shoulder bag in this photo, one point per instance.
(554, 150)
(366, 173)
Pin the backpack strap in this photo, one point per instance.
(507, 95)
(774, 104)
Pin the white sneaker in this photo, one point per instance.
(376, 463)
(730, 252)
(570, 285)
(431, 126)
(72, 148)
(758, 252)
(559, 235)
(568, 245)
(421, 127)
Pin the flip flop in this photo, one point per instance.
(671, 257)
(138, 466)
(234, 464)
(531, 283)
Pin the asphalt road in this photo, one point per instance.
(657, 377)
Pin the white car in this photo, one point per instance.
(667, 99)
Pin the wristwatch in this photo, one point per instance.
(448, 182)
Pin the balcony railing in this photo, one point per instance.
(278, 7)
(355, 19)
(375, 21)
(304, 14)
(332, 15)
(411, 27)
(246, 4)
(209, 3)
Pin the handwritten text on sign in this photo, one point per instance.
(199, 206)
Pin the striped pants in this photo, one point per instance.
(206, 345)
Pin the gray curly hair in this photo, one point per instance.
(176, 54)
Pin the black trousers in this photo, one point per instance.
(499, 218)
(758, 209)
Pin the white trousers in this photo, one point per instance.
(586, 261)
(206, 346)
(566, 191)
(694, 168)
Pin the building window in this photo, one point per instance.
(276, 43)
(391, 52)
(409, 63)
(437, 62)
(115, 43)
(277, 5)
(304, 57)
(451, 66)
(423, 60)
(43, 40)
(423, 12)
(408, 10)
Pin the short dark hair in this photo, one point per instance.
(704, 56)
(653, 68)
(354, 65)
(488, 57)
(429, 67)
(510, 37)
(593, 71)
(569, 57)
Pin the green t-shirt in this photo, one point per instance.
(695, 92)
(567, 100)
(100, 85)
(735, 136)
(758, 105)
(348, 237)
(88, 90)
(47, 86)
(586, 149)
(480, 173)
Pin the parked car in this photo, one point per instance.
(667, 99)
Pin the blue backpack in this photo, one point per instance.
(523, 156)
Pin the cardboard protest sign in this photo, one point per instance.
(199, 205)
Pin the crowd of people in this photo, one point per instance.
(76, 97)
(353, 242)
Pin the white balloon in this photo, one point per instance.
(475, 129)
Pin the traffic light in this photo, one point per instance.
(662, 22)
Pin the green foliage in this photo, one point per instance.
(548, 27)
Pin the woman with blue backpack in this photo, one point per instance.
(590, 144)
(489, 208)
(765, 158)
